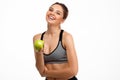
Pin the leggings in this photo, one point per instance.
(73, 78)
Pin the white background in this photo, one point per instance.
(94, 24)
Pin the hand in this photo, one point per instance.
(41, 51)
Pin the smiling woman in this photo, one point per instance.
(58, 59)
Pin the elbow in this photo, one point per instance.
(42, 75)
(41, 71)
(73, 72)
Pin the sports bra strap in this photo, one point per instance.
(42, 35)
(60, 38)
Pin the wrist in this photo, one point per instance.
(39, 51)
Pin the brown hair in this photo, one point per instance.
(65, 9)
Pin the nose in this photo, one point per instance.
(53, 13)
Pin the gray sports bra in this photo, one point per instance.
(58, 55)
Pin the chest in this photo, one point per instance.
(58, 55)
(50, 44)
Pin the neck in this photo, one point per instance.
(53, 29)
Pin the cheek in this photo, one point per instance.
(47, 14)
(60, 19)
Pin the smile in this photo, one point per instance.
(51, 17)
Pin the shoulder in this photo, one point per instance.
(36, 36)
(67, 36)
(67, 39)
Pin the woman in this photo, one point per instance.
(57, 60)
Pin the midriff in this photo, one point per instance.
(56, 67)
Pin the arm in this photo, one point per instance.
(72, 68)
(39, 58)
(40, 63)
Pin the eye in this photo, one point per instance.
(58, 13)
(50, 9)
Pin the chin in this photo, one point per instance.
(50, 22)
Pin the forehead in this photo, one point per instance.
(57, 7)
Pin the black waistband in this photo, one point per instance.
(73, 78)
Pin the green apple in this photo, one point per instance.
(38, 44)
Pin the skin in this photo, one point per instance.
(63, 71)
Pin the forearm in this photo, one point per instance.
(40, 63)
(63, 73)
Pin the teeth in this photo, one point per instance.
(51, 17)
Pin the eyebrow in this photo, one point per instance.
(59, 11)
(56, 10)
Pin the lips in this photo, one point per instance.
(51, 17)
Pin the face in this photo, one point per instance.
(55, 15)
